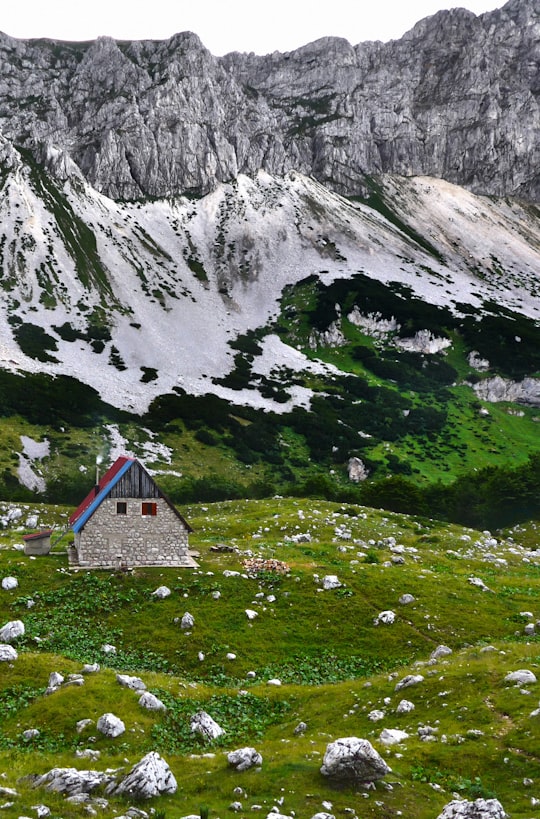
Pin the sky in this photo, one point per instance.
(224, 25)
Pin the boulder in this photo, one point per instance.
(521, 677)
(151, 702)
(161, 592)
(7, 653)
(187, 622)
(353, 759)
(405, 707)
(11, 631)
(479, 809)
(357, 470)
(440, 651)
(202, 723)
(149, 777)
(9, 583)
(392, 736)
(410, 679)
(330, 581)
(135, 683)
(55, 681)
(387, 618)
(70, 781)
(110, 726)
(244, 758)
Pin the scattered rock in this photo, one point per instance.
(187, 621)
(385, 617)
(250, 614)
(405, 707)
(476, 581)
(479, 809)
(7, 653)
(256, 565)
(110, 726)
(392, 736)
(406, 599)
(82, 724)
(70, 781)
(244, 758)
(273, 681)
(410, 679)
(149, 777)
(11, 631)
(331, 581)
(376, 715)
(202, 723)
(161, 592)
(521, 677)
(357, 470)
(440, 651)
(9, 583)
(221, 547)
(134, 683)
(55, 681)
(301, 728)
(107, 648)
(151, 702)
(91, 668)
(30, 734)
(354, 759)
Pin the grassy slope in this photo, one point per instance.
(335, 664)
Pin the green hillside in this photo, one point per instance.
(335, 664)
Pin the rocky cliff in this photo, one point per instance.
(457, 97)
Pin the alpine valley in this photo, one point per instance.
(271, 273)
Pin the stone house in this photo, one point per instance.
(127, 521)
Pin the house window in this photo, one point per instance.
(149, 509)
(121, 508)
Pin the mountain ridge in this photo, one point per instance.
(456, 98)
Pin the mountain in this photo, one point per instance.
(456, 97)
(249, 251)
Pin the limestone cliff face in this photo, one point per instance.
(457, 97)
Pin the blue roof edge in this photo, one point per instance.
(100, 497)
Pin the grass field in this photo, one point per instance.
(334, 664)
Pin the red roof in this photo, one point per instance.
(38, 535)
(106, 479)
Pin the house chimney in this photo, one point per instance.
(98, 461)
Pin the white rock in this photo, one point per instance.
(107, 648)
(134, 683)
(406, 599)
(202, 723)
(392, 736)
(90, 668)
(244, 758)
(9, 583)
(149, 777)
(7, 653)
(161, 592)
(353, 759)
(385, 617)
(110, 726)
(330, 581)
(440, 651)
(231, 655)
(274, 681)
(521, 677)
(187, 622)
(376, 715)
(479, 583)
(11, 631)
(410, 679)
(405, 707)
(55, 680)
(250, 614)
(479, 809)
(151, 702)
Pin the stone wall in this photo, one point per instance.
(110, 540)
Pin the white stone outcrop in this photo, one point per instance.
(244, 758)
(110, 725)
(11, 631)
(7, 653)
(478, 809)
(203, 724)
(148, 778)
(353, 759)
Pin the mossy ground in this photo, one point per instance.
(335, 664)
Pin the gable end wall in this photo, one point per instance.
(108, 540)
